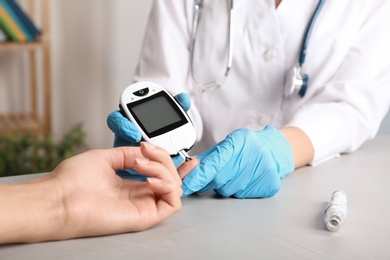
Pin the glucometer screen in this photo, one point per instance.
(157, 114)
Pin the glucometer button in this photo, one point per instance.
(141, 92)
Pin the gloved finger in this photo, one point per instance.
(257, 181)
(206, 175)
(184, 100)
(232, 151)
(266, 186)
(196, 179)
(123, 128)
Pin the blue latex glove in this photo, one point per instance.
(246, 164)
(127, 134)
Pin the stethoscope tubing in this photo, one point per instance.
(197, 14)
(306, 38)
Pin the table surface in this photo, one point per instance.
(289, 225)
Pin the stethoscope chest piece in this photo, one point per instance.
(296, 82)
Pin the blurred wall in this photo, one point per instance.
(95, 48)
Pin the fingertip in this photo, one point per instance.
(151, 151)
(163, 187)
(149, 146)
(111, 118)
(115, 116)
(123, 127)
(184, 100)
(156, 153)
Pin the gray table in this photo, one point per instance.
(287, 226)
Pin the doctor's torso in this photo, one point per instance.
(266, 45)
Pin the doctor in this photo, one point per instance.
(274, 85)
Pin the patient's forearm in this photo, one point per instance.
(30, 212)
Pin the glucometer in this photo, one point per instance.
(159, 117)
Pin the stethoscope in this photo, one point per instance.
(212, 85)
(297, 82)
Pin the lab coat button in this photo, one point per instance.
(268, 55)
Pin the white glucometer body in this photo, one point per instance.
(158, 116)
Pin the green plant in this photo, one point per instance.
(23, 153)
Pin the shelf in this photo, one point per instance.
(39, 78)
(11, 123)
(18, 46)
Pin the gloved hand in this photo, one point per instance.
(246, 164)
(127, 134)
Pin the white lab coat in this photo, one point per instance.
(348, 62)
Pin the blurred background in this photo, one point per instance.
(94, 47)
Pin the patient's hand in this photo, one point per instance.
(83, 197)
